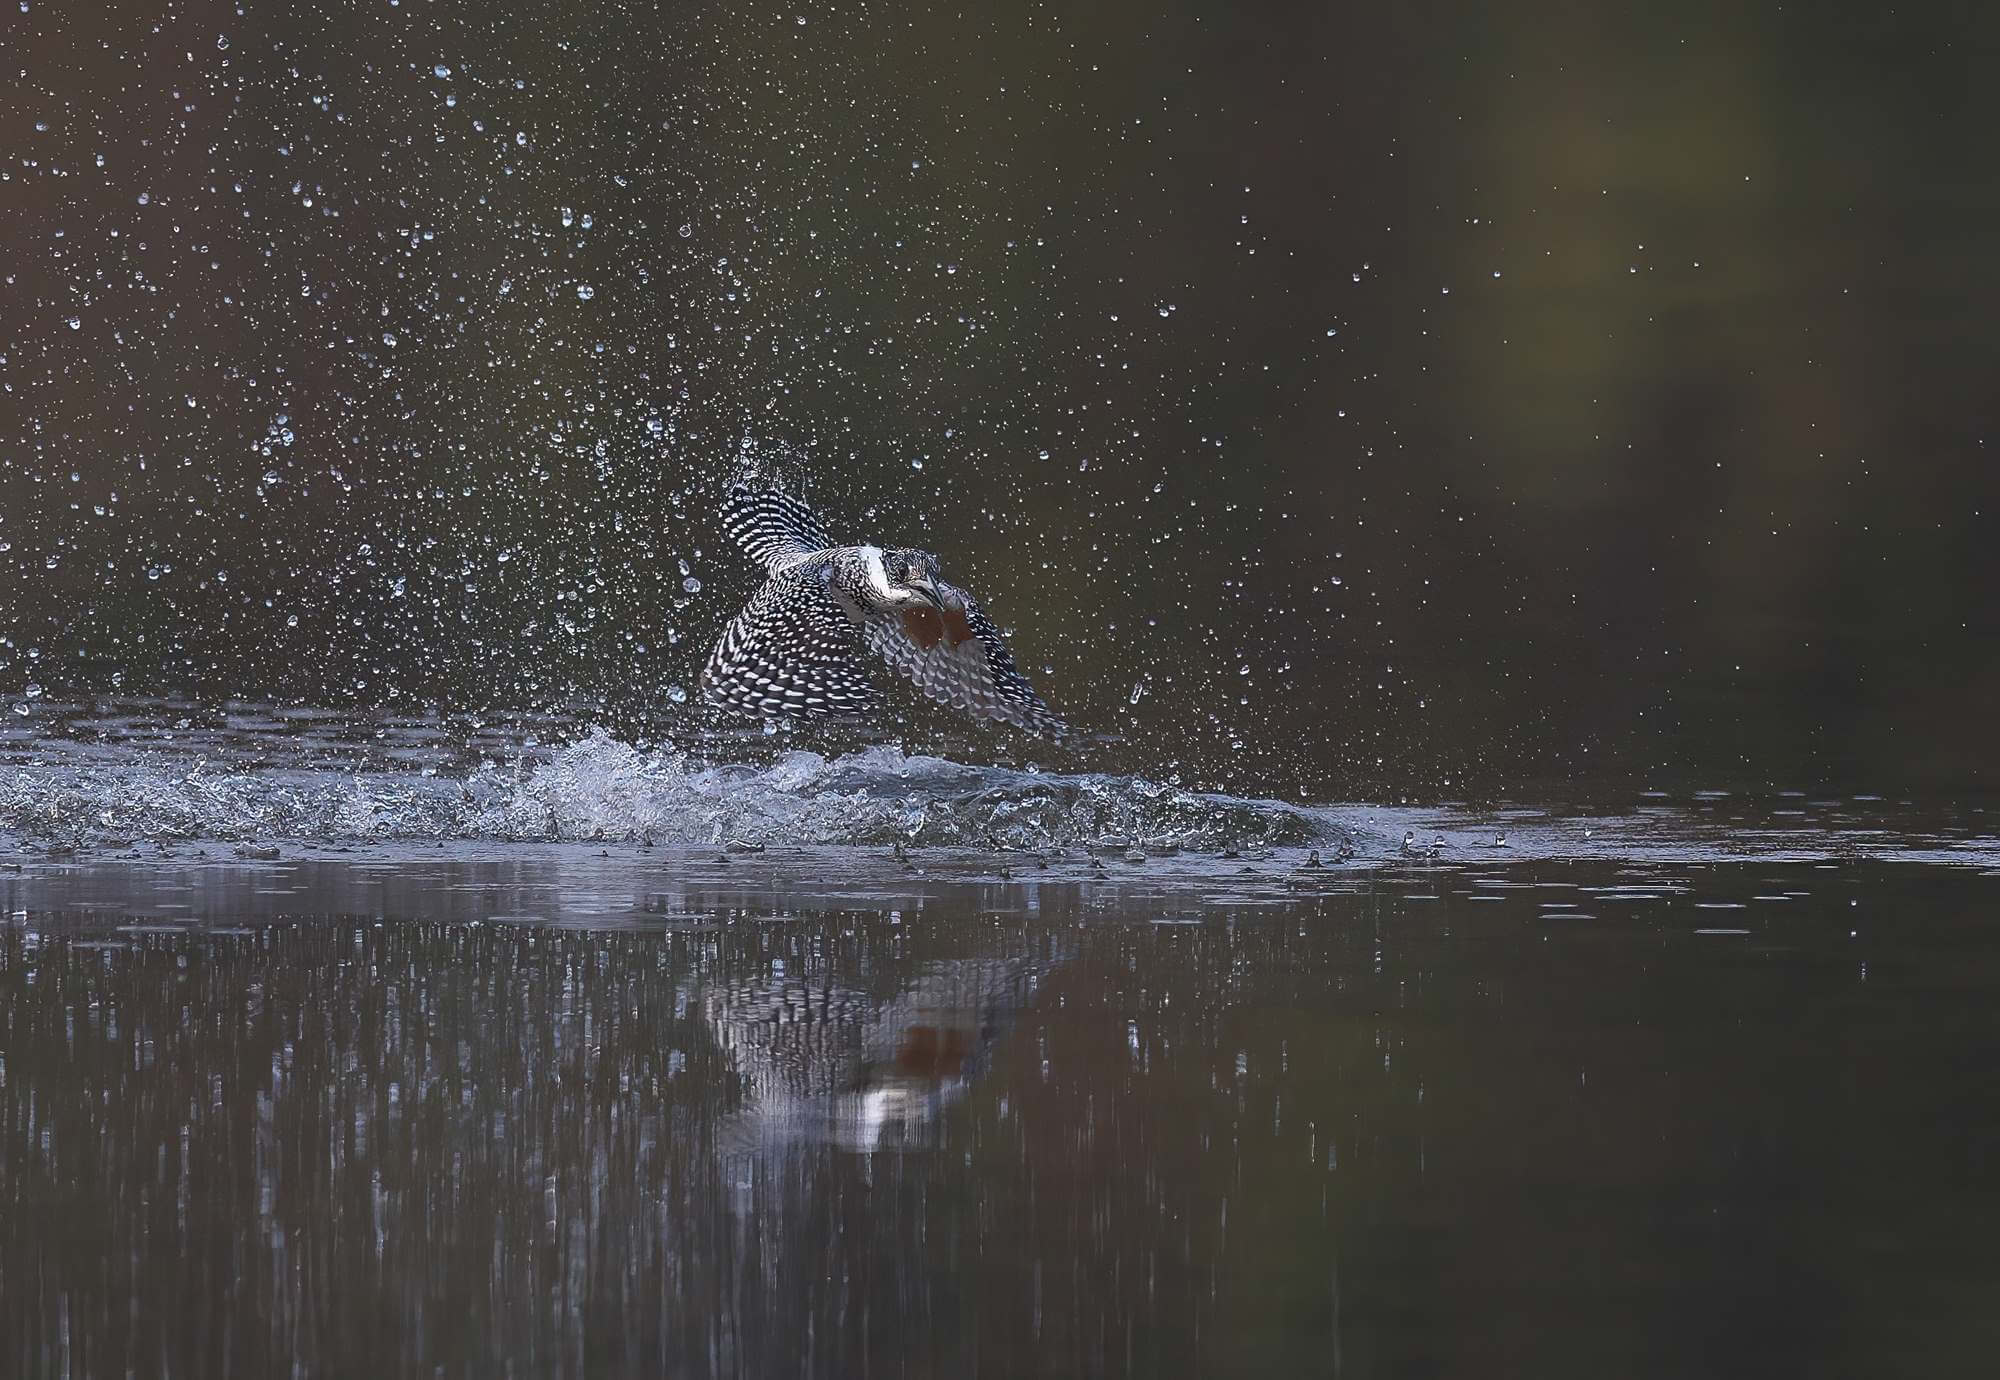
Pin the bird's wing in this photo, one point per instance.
(792, 651)
(959, 659)
(772, 527)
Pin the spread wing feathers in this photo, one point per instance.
(792, 651)
(772, 527)
(961, 661)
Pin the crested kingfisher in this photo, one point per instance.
(795, 651)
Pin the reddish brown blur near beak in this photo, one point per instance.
(929, 626)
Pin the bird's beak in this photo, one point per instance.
(929, 591)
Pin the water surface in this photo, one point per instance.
(576, 1109)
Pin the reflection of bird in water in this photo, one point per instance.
(796, 648)
(830, 1063)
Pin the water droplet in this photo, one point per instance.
(691, 585)
(441, 72)
(585, 291)
(272, 476)
(221, 40)
(655, 425)
(33, 691)
(222, 577)
(568, 217)
(388, 339)
(506, 286)
(521, 137)
(76, 323)
(677, 694)
(687, 231)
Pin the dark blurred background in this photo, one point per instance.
(1422, 400)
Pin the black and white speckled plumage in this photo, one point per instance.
(773, 527)
(790, 653)
(796, 649)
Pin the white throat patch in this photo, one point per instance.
(878, 578)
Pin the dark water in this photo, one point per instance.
(568, 1110)
(1331, 401)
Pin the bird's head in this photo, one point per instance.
(914, 574)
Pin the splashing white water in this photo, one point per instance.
(601, 788)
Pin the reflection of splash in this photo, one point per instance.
(830, 1064)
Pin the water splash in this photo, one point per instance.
(599, 787)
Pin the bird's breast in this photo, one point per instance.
(927, 627)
